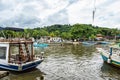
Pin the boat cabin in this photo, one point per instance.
(17, 52)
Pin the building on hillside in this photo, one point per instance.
(99, 37)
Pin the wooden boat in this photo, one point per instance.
(111, 56)
(18, 54)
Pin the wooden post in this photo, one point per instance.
(19, 49)
(32, 51)
(9, 54)
(20, 52)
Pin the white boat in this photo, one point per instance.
(18, 54)
(111, 56)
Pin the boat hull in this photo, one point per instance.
(112, 62)
(42, 45)
(21, 67)
(89, 43)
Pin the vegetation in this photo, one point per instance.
(76, 31)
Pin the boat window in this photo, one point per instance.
(3, 52)
(14, 49)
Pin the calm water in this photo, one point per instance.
(69, 62)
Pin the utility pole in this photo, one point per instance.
(93, 13)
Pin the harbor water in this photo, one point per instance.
(69, 62)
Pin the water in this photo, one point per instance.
(69, 62)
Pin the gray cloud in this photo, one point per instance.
(60, 17)
(33, 13)
(4, 6)
(22, 13)
(22, 21)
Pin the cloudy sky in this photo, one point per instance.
(39, 13)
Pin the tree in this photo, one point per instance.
(52, 34)
(66, 35)
(57, 33)
(92, 37)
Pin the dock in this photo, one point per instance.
(3, 74)
(75, 43)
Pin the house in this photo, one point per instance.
(99, 37)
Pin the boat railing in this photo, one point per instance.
(114, 52)
(19, 59)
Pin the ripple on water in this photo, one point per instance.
(74, 67)
(70, 62)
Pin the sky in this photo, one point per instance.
(40, 13)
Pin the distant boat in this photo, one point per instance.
(18, 54)
(110, 56)
(103, 42)
(89, 43)
(42, 45)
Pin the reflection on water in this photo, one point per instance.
(69, 62)
(110, 72)
(34, 74)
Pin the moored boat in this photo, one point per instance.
(42, 45)
(18, 54)
(103, 42)
(89, 43)
(111, 56)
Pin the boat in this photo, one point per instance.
(89, 43)
(104, 42)
(41, 45)
(18, 54)
(111, 56)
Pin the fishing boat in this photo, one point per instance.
(111, 56)
(89, 43)
(18, 54)
(103, 42)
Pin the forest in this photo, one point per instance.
(67, 31)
